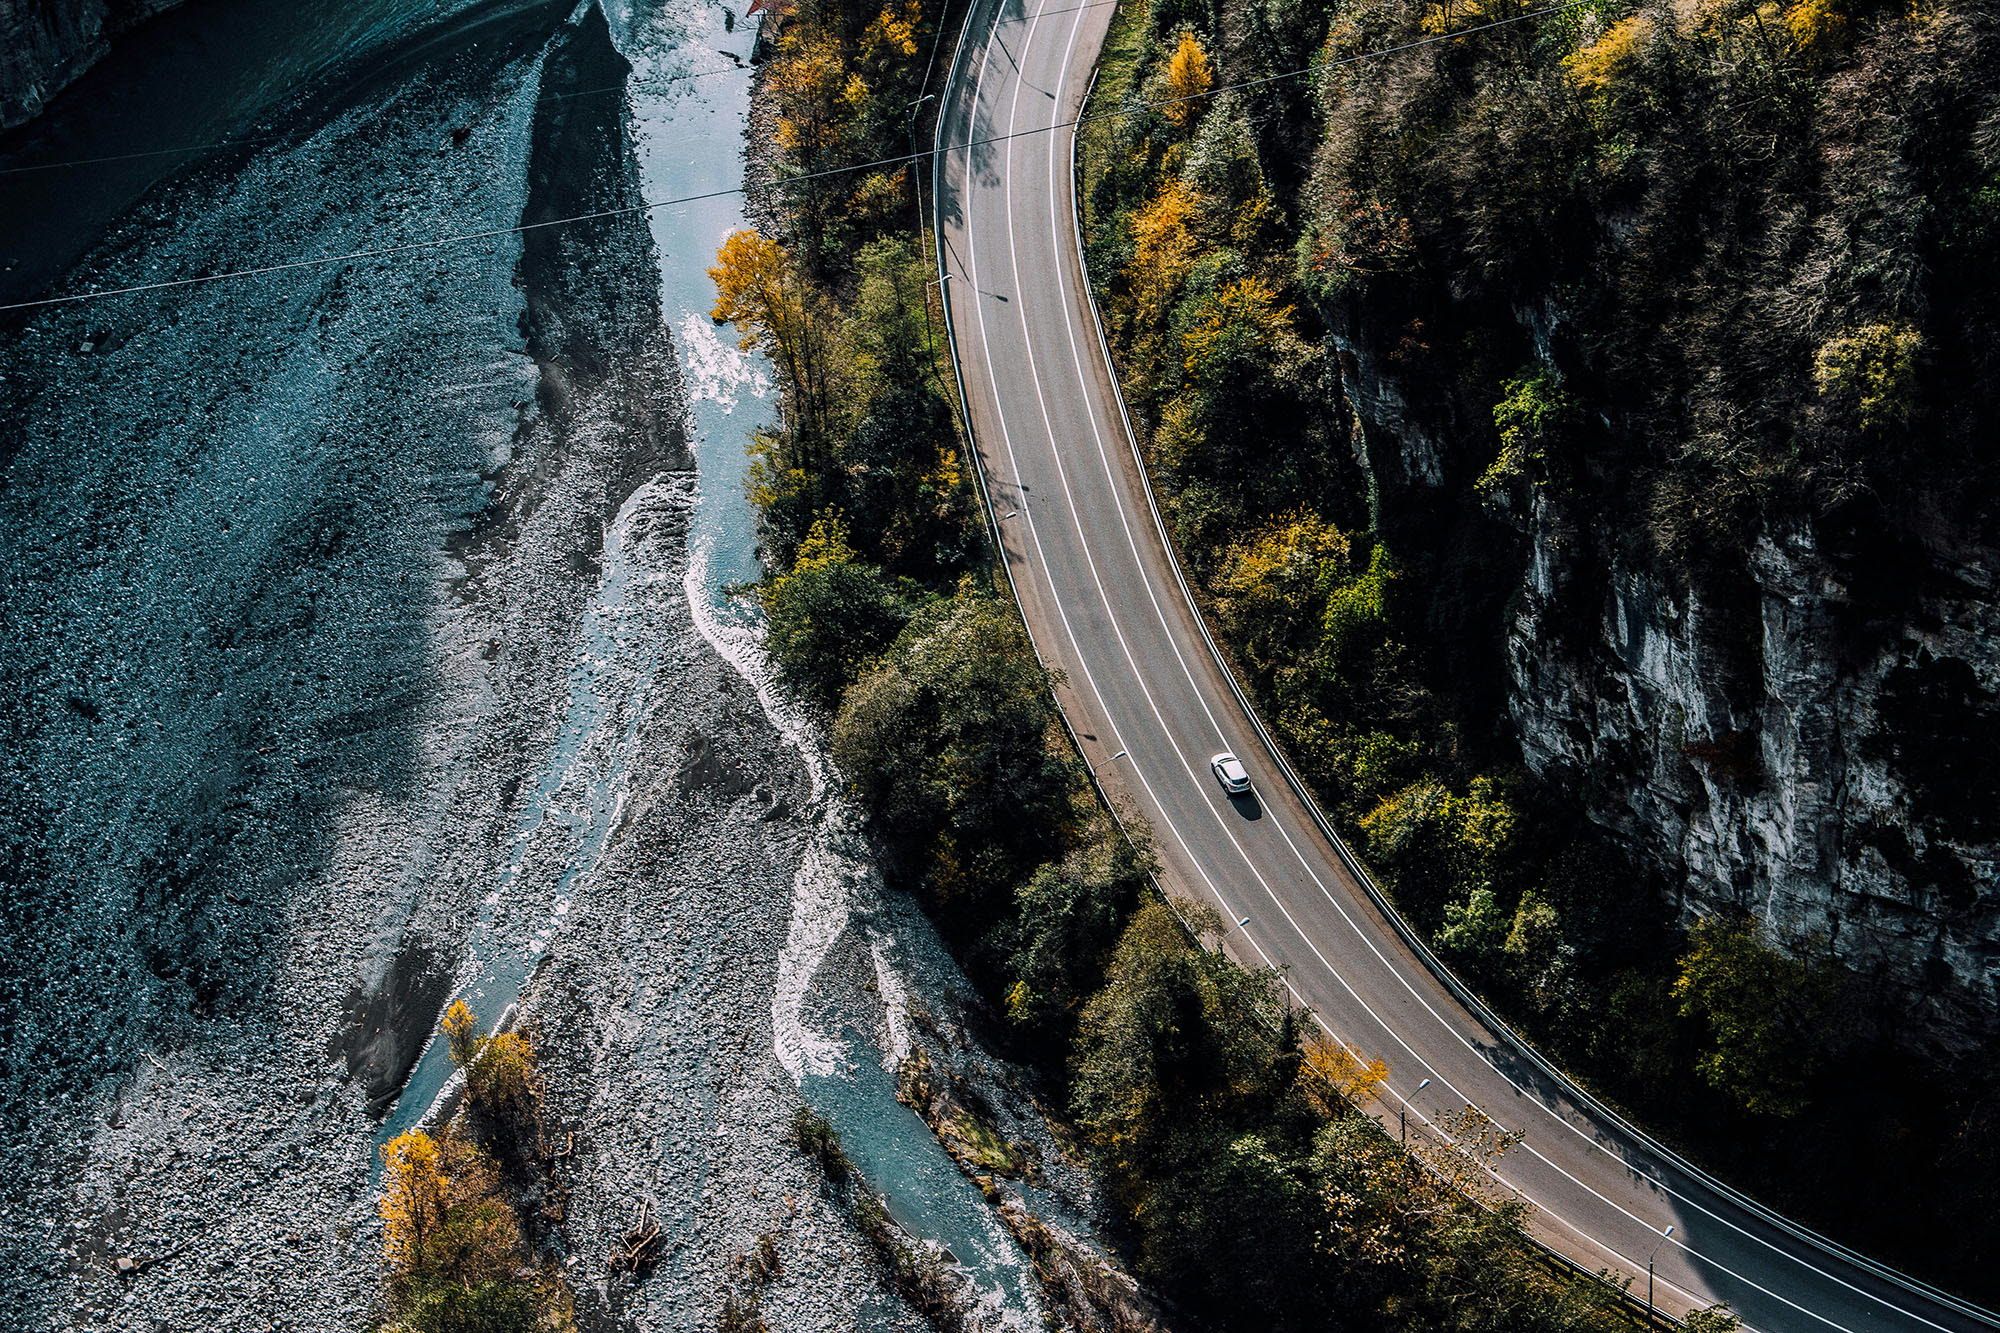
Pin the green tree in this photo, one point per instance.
(1235, 1232)
(830, 615)
(1438, 848)
(1176, 1037)
(1534, 417)
(1870, 374)
(1065, 920)
(1771, 1018)
(947, 743)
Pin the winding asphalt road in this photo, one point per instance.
(1150, 701)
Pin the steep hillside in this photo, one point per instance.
(1721, 276)
(1580, 425)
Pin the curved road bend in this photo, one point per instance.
(1151, 704)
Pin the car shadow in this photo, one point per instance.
(1247, 804)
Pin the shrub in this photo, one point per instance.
(1870, 374)
(1533, 417)
(830, 616)
(813, 1136)
(1770, 1018)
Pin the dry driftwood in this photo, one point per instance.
(640, 1249)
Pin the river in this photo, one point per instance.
(378, 657)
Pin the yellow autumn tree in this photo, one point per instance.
(414, 1198)
(893, 33)
(505, 1081)
(1871, 373)
(461, 1032)
(502, 1081)
(1816, 25)
(813, 88)
(1596, 67)
(760, 291)
(445, 1221)
(1189, 77)
(1244, 319)
(1273, 587)
(825, 546)
(1336, 1075)
(1163, 251)
(1443, 16)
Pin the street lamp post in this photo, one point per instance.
(1403, 1114)
(917, 161)
(1241, 921)
(1649, 1273)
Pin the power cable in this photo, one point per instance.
(801, 178)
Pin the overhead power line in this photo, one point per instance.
(801, 178)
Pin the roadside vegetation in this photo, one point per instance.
(1244, 243)
(1257, 1195)
(469, 1211)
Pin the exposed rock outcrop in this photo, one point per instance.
(1808, 738)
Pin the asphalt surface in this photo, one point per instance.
(1150, 701)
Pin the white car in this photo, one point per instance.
(1229, 771)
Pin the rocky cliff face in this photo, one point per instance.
(44, 44)
(1809, 739)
